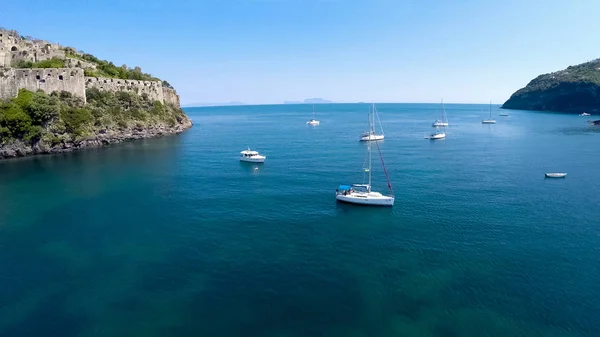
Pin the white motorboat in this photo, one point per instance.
(441, 122)
(313, 121)
(361, 194)
(489, 120)
(252, 156)
(371, 135)
(585, 114)
(504, 114)
(555, 175)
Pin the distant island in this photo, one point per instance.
(573, 90)
(57, 99)
(309, 101)
(232, 103)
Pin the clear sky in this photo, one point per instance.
(268, 51)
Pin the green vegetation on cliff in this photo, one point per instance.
(54, 62)
(575, 89)
(108, 69)
(34, 116)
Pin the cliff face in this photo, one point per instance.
(36, 123)
(58, 142)
(573, 90)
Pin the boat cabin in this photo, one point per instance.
(248, 153)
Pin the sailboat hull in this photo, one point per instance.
(366, 138)
(439, 135)
(367, 199)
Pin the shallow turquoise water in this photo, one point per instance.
(176, 237)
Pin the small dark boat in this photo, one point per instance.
(594, 122)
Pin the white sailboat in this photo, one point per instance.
(489, 120)
(443, 121)
(362, 194)
(371, 135)
(313, 121)
(438, 134)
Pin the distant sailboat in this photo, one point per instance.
(489, 120)
(444, 120)
(440, 134)
(313, 121)
(371, 135)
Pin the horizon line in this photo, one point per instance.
(262, 104)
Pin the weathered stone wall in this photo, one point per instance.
(170, 96)
(152, 88)
(48, 80)
(14, 49)
(4, 56)
(8, 87)
(74, 81)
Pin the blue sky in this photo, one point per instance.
(268, 51)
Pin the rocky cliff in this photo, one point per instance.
(573, 90)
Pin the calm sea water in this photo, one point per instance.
(176, 237)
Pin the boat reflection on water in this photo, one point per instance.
(253, 168)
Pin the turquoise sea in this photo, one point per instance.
(176, 237)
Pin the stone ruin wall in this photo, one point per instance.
(152, 88)
(13, 49)
(48, 80)
(73, 80)
(171, 96)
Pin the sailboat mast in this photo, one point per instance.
(372, 121)
(442, 101)
(490, 109)
(313, 111)
(369, 147)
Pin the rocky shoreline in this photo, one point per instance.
(99, 139)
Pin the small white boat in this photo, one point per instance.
(556, 175)
(489, 120)
(252, 156)
(503, 114)
(443, 121)
(313, 121)
(585, 114)
(371, 135)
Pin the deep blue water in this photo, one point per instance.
(176, 237)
